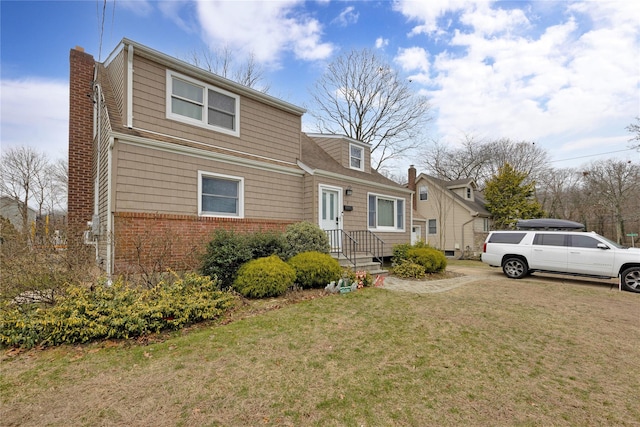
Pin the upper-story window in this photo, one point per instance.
(197, 103)
(424, 194)
(356, 157)
(468, 193)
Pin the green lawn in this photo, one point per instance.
(499, 353)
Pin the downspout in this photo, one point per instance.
(110, 262)
(411, 216)
(95, 221)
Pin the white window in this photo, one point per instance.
(356, 157)
(432, 226)
(194, 102)
(386, 213)
(220, 195)
(424, 195)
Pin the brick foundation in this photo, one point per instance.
(160, 241)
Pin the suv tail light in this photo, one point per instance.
(484, 247)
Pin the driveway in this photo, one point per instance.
(471, 274)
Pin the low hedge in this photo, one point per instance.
(264, 277)
(315, 269)
(113, 312)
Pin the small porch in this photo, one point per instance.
(357, 249)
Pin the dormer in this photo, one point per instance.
(350, 153)
(464, 189)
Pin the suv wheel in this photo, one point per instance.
(631, 279)
(516, 268)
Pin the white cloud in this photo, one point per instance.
(138, 7)
(381, 43)
(415, 60)
(35, 113)
(429, 12)
(266, 29)
(558, 85)
(346, 17)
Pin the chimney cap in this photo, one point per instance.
(79, 48)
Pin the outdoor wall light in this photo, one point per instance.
(348, 191)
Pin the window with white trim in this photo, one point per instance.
(386, 213)
(424, 194)
(220, 195)
(356, 157)
(197, 103)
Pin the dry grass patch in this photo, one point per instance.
(522, 353)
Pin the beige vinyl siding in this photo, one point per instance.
(101, 142)
(117, 77)
(264, 130)
(338, 148)
(158, 181)
(358, 218)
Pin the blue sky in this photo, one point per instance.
(562, 74)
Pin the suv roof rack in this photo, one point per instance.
(548, 224)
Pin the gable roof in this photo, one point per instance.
(476, 206)
(316, 161)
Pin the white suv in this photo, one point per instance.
(576, 253)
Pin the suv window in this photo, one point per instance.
(545, 239)
(512, 238)
(584, 242)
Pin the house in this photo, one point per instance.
(11, 209)
(162, 153)
(457, 221)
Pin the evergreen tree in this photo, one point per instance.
(509, 198)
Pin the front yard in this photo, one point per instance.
(497, 352)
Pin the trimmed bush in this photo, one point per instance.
(432, 260)
(265, 243)
(264, 277)
(315, 269)
(400, 253)
(225, 253)
(113, 312)
(409, 270)
(304, 237)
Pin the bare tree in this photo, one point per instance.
(362, 97)
(482, 160)
(22, 172)
(615, 185)
(222, 62)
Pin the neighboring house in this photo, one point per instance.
(162, 153)
(10, 209)
(457, 221)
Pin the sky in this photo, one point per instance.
(561, 74)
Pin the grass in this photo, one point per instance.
(498, 352)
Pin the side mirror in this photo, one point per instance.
(602, 246)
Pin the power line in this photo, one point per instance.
(594, 155)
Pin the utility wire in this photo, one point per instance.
(594, 155)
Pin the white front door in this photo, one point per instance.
(330, 214)
(416, 234)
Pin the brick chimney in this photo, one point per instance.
(80, 186)
(412, 184)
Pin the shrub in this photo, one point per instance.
(409, 270)
(315, 269)
(225, 253)
(432, 260)
(264, 277)
(304, 237)
(118, 311)
(400, 253)
(264, 244)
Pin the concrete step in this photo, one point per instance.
(363, 262)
